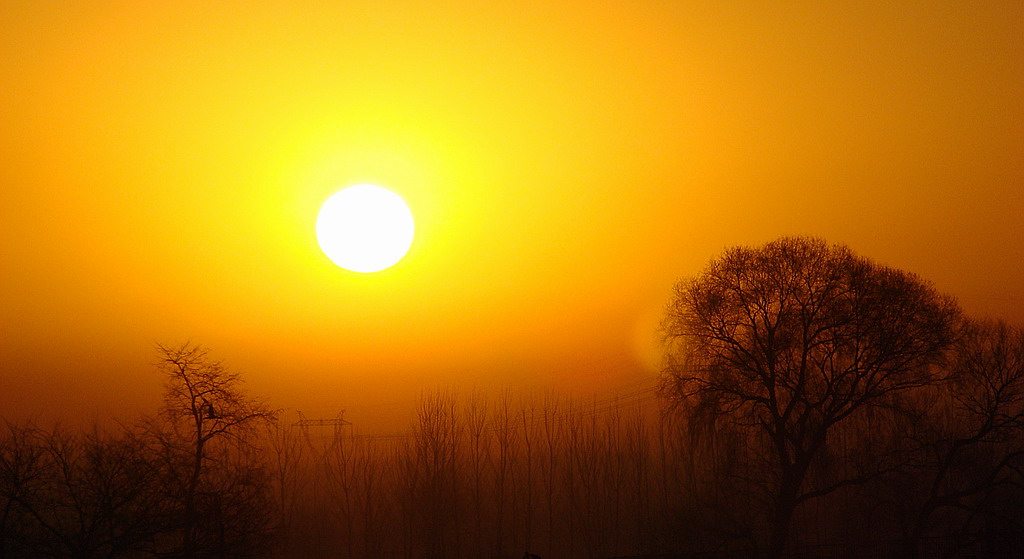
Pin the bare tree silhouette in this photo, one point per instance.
(787, 340)
(22, 468)
(66, 494)
(967, 444)
(436, 447)
(476, 413)
(287, 451)
(204, 402)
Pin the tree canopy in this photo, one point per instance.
(791, 338)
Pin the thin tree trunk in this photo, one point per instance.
(191, 520)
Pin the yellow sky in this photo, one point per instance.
(163, 164)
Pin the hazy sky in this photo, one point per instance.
(163, 163)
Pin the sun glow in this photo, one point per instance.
(365, 228)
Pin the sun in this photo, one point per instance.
(365, 228)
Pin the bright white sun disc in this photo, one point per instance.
(364, 228)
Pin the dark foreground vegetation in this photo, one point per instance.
(813, 404)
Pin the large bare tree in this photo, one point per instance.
(788, 340)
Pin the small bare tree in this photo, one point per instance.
(25, 477)
(479, 442)
(204, 402)
(67, 494)
(968, 438)
(287, 450)
(436, 436)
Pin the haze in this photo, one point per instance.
(163, 166)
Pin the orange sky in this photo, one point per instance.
(566, 162)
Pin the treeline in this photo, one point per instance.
(813, 404)
(489, 477)
(496, 476)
